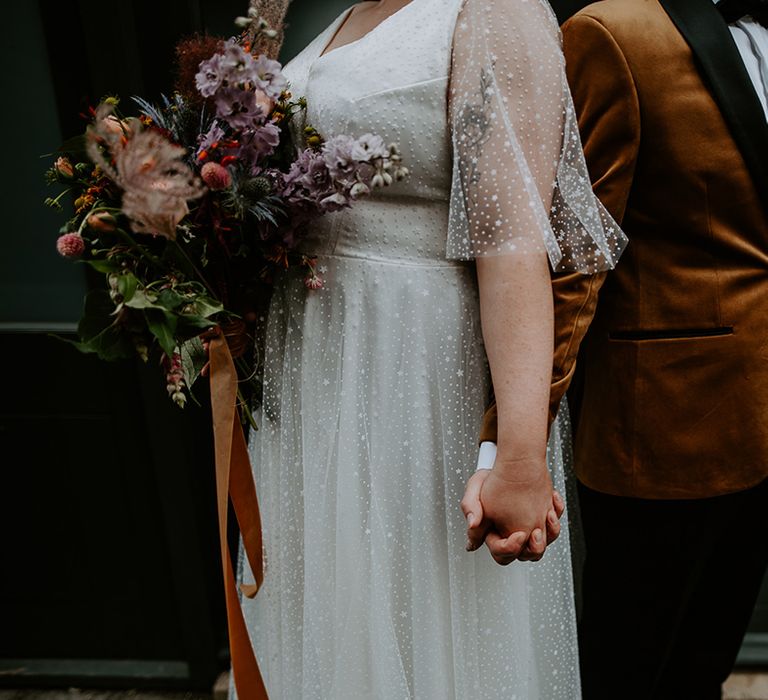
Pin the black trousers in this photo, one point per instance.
(668, 592)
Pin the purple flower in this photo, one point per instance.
(206, 141)
(239, 63)
(260, 142)
(338, 155)
(308, 178)
(212, 75)
(239, 108)
(267, 75)
(236, 68)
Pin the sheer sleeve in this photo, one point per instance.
(520, 182)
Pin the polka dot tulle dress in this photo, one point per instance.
(375, 385)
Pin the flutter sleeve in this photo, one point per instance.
(520, 183)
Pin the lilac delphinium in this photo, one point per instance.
(239, 108)
(344, 170)
(209, 138)
(212, 75)
(308, 181)
(244, 88)
(267, 75)
(258, 143)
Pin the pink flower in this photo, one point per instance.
(64, 167)
(70, 245)
(175, 379)
(313, 282)
(216, 176)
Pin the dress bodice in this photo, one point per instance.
(392, 82)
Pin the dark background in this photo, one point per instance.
(109, 568)
(109, 560)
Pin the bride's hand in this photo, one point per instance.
(514, 509)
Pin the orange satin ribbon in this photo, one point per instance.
(234, 480)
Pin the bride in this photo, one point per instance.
(375, 385)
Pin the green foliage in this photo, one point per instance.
(100, 331)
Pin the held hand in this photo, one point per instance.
(553, 529)
(478, 526)
(517, 498)
(519, 510)
(471, 506)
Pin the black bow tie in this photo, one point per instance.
(734, 10)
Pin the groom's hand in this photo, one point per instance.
(532, 553)
(518, 545)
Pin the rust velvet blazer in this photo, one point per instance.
(667, 355)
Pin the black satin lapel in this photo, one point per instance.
(565, 9)
(724, 72)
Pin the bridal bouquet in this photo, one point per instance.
(192, 207)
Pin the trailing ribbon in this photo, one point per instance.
(234, 480)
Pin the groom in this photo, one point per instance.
(669, 396)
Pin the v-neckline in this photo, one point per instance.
(336, 27)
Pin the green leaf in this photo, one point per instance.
(98, 330)
(190, 326)
(170, 300)
(141, 300)
(127, 284)
(193, 359)
(162, 325)
(206, 307)
(111, 344)
(105, 266)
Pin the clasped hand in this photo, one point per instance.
(514, 510)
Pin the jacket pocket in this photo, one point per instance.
(671, 334)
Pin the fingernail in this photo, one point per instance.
(471, 520)
(536, 536)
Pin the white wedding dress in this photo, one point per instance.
(375, 385)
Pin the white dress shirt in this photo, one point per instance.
(752, 41)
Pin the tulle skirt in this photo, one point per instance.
(374, 391)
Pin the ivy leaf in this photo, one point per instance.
(110, 344)
(170, 300)
(141, 300)
(98, 330)
(105, 266)
(190, 325)
(127, 284)
(207, 307)
(162, 325)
